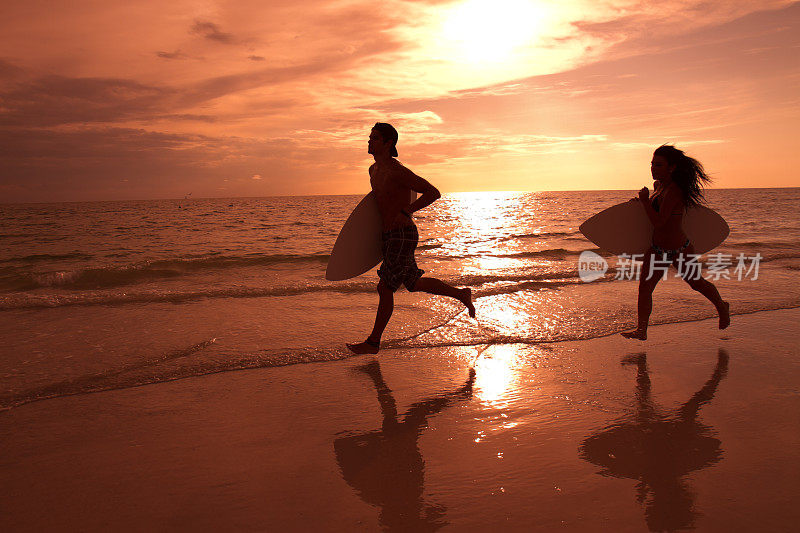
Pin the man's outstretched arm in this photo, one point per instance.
(428, 193)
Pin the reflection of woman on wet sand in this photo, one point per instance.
(385, 466)
(678, 186)
(658, 450)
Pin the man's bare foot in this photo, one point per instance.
(466, 299)
(366, 347)
(635, 334)
(725, 315)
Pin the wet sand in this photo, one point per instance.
(695, 428)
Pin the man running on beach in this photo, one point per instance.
(394, 186)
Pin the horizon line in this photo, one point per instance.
(194, 198)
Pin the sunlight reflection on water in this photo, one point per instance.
(496, 375)
(487, 219)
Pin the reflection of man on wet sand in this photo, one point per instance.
(394, 186)
(385, 466)
(659, 449)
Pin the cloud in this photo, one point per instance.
(177, 54)
(650, 145)
(19, 144)
(211, 31)
(648, 27)
(441, 147)
(416, 122)
(9, 70)
(55, 100)
(210, 119)
(90, 103)
(710, 84)
(93, 162)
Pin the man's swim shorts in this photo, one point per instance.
(399, 266)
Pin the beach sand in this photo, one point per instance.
(695, 428)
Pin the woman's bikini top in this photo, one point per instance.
(654, 201)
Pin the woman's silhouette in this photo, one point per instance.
(678, 186)
(658, 450)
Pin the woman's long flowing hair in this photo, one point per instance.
(689, 174)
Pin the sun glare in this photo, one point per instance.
(490, 30)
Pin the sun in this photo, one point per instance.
(480, 31)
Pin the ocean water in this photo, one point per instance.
(104, 295)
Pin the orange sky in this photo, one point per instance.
(121, 100)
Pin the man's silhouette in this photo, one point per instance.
(394, 186)
(385, 466)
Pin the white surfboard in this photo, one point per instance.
(625, 229)
(358, 246)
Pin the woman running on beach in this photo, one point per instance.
(678, 186)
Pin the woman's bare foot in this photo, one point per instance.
(640, 334)
(466, 299)
(366, 347)
(725, 315)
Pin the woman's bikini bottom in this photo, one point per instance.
(671, 254)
